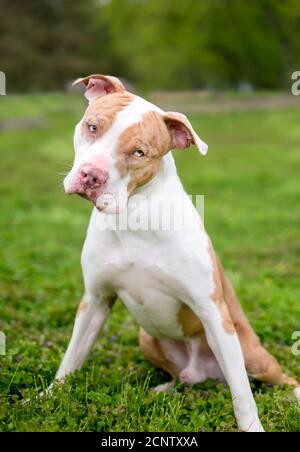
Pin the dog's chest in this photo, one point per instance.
(155, 274)
(151, 299)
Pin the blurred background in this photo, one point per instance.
(227, 64)
(155, 44)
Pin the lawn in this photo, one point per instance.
(251, 183)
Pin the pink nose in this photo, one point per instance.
(91, 177)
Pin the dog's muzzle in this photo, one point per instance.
(89, 182)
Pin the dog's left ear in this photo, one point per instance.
(182, 132)
(98, 85)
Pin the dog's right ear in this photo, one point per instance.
(98, 85)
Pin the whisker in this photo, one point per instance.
(61, 173)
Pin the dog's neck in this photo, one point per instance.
(147, 202)
(164, 182)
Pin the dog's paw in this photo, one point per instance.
(45, 393)
(297, 393)
(190, 376)
(165, 387)
(251, 427)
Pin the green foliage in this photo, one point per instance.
(154, 43)
(46, 43)
(250, 178)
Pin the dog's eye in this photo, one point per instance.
(138, 153)
(92, 128)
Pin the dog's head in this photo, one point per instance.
(120, 142)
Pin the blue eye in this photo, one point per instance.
(138, 153)
(92, 128)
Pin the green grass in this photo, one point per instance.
(251, 181)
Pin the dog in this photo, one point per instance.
(172, 281)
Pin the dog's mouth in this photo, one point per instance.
(104, 202)
(87, 194)
(101, 197)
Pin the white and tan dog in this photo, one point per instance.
(172, 282)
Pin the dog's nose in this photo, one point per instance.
(91, 177)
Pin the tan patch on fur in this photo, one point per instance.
(151, 136)
(82, 306)
(218, 296)
(286, 380)
(205, 349)
(102, 113)
(189, 322)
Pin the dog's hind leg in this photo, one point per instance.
(260, 364)
(264, 367)
(167, 354)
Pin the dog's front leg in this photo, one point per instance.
(90, 317)
(224, 343)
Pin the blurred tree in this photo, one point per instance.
(255, 41)
(155, 43)
(213, 43)
(44, 43)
